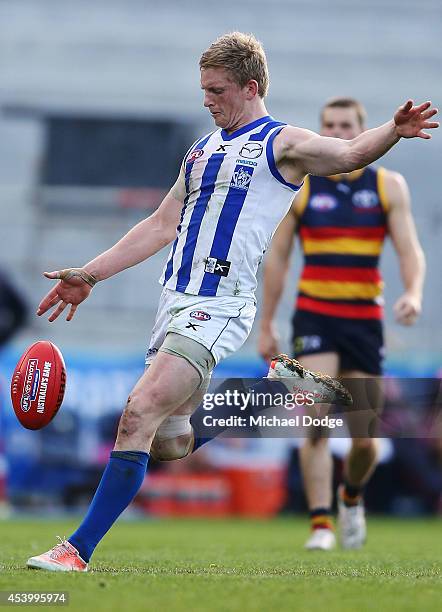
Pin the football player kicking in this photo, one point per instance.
(342, 221)
(235, 186)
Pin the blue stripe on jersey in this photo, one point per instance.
(196, 145)
(265, 130)
(342, 261)
(245, 128)
(272, 165)
(206, 190)
(225, 229)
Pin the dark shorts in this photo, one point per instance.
(358, 342)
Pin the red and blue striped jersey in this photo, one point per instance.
(342, 224)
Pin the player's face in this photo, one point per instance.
(224, 98)
(340, 123)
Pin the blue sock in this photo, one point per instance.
(121, 480)
(225, 410)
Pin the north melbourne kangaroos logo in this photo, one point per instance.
(241, 178)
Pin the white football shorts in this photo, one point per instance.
(221, 324)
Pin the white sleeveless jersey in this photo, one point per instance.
(235, 199)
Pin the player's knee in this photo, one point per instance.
(173, 438)
(172, 448)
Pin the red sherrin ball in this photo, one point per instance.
(38, 384)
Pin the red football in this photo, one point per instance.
(38, 384)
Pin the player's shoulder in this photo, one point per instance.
(294, 133)
(391, 177)
(393, 188)
(290, 136)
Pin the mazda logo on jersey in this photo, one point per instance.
(365, 198)
(200, 315)
(251, 150)
(323, 201)
(220, 267)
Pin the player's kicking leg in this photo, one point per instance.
(158, 393)
(287, 373)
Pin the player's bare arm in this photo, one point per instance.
(276, 266)
(403, 233)
(141, 242)
(299, 152)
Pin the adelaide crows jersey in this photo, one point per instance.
(235, 199)
(342, 223)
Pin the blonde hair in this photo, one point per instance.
(243, 56)
(347, 102)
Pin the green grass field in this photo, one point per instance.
(234, 565)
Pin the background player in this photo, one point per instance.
(342, 221)
(218, 212)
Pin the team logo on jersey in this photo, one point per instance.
(241, 178)
(220, 267)
(365, 198)
(323, 201)
(251, 150)
(194, 155)
(200, 315)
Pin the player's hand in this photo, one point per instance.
(74, 287)
(407, 309)
(412, 120)
(268, 342)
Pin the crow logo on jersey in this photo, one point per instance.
(220, 267)
(365, 198)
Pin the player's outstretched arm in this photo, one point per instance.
(145, 239)
(310, 153)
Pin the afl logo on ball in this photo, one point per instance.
(200, 315)
(323, 201)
